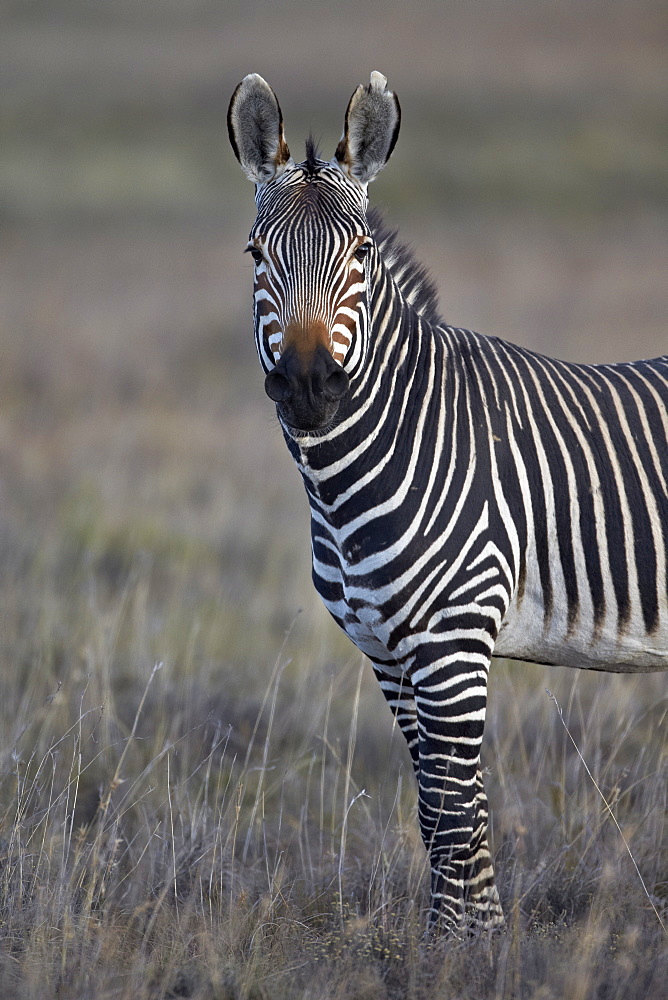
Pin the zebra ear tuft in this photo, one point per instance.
(371, 129)
(255, 126)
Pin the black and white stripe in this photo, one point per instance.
(469, 499)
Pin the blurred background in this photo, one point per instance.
(531, 175)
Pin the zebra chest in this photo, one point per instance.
(363, 615)
(365, 627)
(354, 587)
(366, 581)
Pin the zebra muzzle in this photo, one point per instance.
(307, 388)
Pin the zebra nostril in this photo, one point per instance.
(336, 385)
(277, 386)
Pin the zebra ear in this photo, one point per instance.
(255, 126)
(371, 129)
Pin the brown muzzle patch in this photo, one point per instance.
(305, 337)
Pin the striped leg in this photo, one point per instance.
(451, 699)
(398, 692)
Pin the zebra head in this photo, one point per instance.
(312, 246)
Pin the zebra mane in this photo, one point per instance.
(312, 156)
(412, 277)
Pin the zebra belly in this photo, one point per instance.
(524, 636)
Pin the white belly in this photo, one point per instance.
(523, 636)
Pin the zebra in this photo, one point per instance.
(469, 498)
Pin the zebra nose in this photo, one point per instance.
(277, 386)
(291, 378)
(336, 385)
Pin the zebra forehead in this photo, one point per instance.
(310, 232)
(313, 191)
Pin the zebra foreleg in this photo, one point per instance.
(398, 692)
(451, 799)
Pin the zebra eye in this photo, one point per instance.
(255, 254)
(361, 252)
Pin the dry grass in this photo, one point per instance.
(241, 822)
(173, 827)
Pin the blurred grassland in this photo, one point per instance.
(201, 830)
